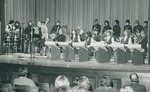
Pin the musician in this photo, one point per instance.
(82, 36)
(37, 36)
(116, 29)
(96, 26)
(55, 29)
(18, 35)
(27, 36)
(9, 37)
(137, 27)
(96, 36)
(143, 40)
(126, 39)
(74, 36)
(128, 26)
(109, 39)
(106, 26)
(146, 26)
(60, 36)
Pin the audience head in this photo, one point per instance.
(61, 80)
(145, 23)
(11, 22)
(23, 71)
(128, 89)
(106, 23)
(84, 83)
(134, 78)
(127, 22)
(116, 22)
(64, 89)
(57, 22)
(106, 81)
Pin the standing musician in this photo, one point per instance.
(128, 26)
(18, 35)
(137, 27)
(55, 29)
(106, 27)
(44, 37)
(9, 37)
(96, 26)
(116, 30)
(27, 36)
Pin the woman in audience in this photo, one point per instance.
(83, 85)
(22, 80)
(61, 81)
(106, 85)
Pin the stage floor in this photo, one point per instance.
(24, 59)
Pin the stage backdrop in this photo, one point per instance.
(74, 13)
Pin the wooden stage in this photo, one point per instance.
(24, 59)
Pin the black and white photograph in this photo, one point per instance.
(74, 45)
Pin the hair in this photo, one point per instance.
(106, 81)
(84, 83)
(23, 71)
(89, 34)
(64, 89)
(43, 22)
(117, 22)
(106, 21)
(11, 21)
(137, 21)
(134, 77)
(61, 80)
(127, 21)
(128, 89)
(146, 22)
(95, 20)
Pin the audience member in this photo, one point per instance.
(134, 79)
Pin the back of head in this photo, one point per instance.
(106, 81)
(64, 89)
(61, 80)
(84, 83)
(23, 71)
(134, 78)
(128, 89)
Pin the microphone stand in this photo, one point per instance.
(32, 56)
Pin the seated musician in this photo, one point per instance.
(109, 39)
(82, 36)
(60, 36)
(74, 36)
(143, 40)
(96, 36)
(126, 39)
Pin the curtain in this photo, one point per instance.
(74, 13)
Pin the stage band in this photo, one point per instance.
(18, 39)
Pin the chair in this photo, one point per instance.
(9, 86)
(44, 87)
